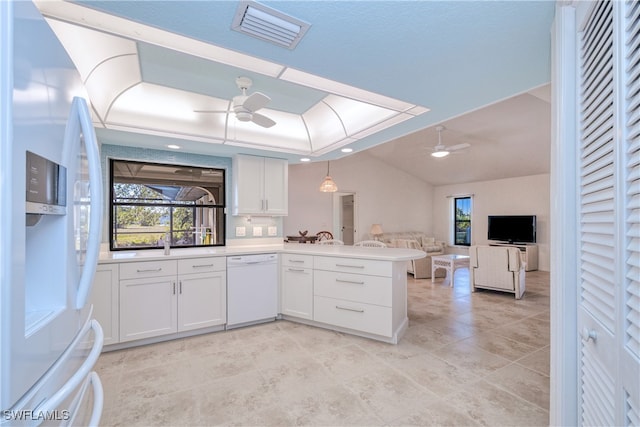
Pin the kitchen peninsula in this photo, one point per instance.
(145, 296)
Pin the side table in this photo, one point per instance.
(450, 263)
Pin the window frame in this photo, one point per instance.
(220, 205)
(456, 221)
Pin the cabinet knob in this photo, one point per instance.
(588, 334)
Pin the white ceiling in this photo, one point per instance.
(481, 68)
(508, 139)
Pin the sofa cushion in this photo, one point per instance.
(427, 241)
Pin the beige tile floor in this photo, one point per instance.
(466, 359)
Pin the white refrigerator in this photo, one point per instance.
(50, 229)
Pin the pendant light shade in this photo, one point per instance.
(328, 186)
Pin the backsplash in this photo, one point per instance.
(252, 227)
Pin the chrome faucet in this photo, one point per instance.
(167, 244)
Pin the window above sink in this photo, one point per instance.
(151, 202)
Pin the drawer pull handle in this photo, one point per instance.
(296, 260)
(202, 266)
(349, 281)
(174, 287)
(349, 266)
(152, 270)
(296, 270)
(357, 310)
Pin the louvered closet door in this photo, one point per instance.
(630, 352)
(608, 313)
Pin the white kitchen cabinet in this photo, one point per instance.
(165, 297)
(260, 186)
(202, 293)
(362, 296)
(148, 307)
(296, 285)
(105, 299)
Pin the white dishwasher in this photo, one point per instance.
(252, 289)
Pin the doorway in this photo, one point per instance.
(344, 216)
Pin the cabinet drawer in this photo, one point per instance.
(372, 319)
(201, 265)
(295, 260)
(135, 270)
(353, 287)
(353, 265)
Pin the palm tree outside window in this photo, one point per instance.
(462, 221)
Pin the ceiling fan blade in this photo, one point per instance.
(459, 146)
(256, 101)
(261, 120)
(210, 111)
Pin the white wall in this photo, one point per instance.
(527, 195)
(384, 195)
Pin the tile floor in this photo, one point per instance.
(465, 360)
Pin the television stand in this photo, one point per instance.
(528, 253)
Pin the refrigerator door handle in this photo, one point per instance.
(59, 396)
(80, 110)
(98, 401)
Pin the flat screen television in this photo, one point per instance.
(512, 228)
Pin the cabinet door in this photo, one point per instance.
(276, 173)
(202, 300)
(297, 292)
(104, 297)
(148, 307)
(248, 185)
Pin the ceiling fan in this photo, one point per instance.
(245, 106)
(442, 150)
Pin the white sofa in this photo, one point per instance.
(498, 268)
(419, 268)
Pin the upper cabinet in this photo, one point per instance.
(260, 186)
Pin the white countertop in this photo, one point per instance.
(382, 254)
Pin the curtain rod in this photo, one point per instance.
(459, 195)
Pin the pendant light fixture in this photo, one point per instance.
(328, 186)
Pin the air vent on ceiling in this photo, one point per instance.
(269, 24)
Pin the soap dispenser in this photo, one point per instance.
(167, 244)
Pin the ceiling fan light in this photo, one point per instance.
(243, 116)
(440, 153)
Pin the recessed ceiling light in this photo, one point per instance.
(305, 159)
(173, 146)
(347, 150)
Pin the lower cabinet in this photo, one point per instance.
(360, 296)
(202, 293)
(354, 294)
(147, 307)
(105, 300)
(296, 286)
(165, 297)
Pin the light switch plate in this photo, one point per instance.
(272, 231)
(241, 231)
(257, 231)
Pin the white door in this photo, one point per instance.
(105, 300)
(608, 209)
(344, 217)
(202, 300)
(248, 182)
(148, 307)
(276, 176)
(297, 292)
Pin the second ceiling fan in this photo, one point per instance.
(442, 150)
